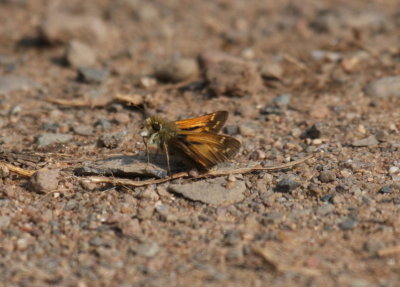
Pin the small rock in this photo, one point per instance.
(394, 169)
(235, 253)
(83, 130)
(163, 211)
(316, 131)
(104, 124)
(286, 185)
(22, 244)
(123, 166)
(282, 100)
(247, 131)
(319, 111)
(325, 209)
(229, 75)
(112, 140)
(271, 71)
(320, 55)
(177, 70)
(44, 181)
(63, 27)
(369, 141)
(92, 75)
(212, 191)
(145, 212)
(130, 227)
(4, 221)
(327, 176)
(373, 246)
(147, 249)
(272, 218)
(122, 118)
(348, 224)
(79, 54)
(48, 139)
(231, 130)
(384, 87)
(11, 83)
(386, 189)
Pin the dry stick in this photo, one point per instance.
(213, 173)
(16, 169)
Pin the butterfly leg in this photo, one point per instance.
(165, 147)
(147, 150)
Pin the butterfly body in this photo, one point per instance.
(196, 139)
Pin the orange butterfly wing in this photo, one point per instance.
(205, 149)
(208, 123)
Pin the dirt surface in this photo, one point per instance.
(297, 77)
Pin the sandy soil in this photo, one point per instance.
(77, 79)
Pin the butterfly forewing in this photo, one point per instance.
(208, 123)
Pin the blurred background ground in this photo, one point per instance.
(297, 77)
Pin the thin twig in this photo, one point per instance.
(16, 169)
(212, 173)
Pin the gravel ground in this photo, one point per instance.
(297, 77)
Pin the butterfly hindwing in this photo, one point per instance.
(205, 149)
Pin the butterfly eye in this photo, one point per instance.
(156, 127)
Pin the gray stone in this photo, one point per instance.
(83, 130)
(386, 189)
(177, 70)
(44, 181)
(212, 191)
(63, 27)
(92, 75)
(369, 141)
(327, 176)
(348, 224)
(48, 139)
(11, 83)
(325, 209)
(282, 100)
(4, 221)
(147, 249)
(229, 75)
(79, 54)
(286, 185)
(384, 87)
(112, 140)
(123, 166)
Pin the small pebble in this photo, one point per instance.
(44, 181)
(369, 141)
(147, 249)
(112, 140)
(79, 54)
(4, 221)
(145, 212)
(83, 130)
(104, 124)
(48, 139)
(122, 118)
(286, 185)
(386, 189)
(247, 131)
(92, 75)
(177, 70)
(348, 224)
(384, 87)
(327, 176)
(231, 130)
(394, 169)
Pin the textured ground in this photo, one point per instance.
(297, 77)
